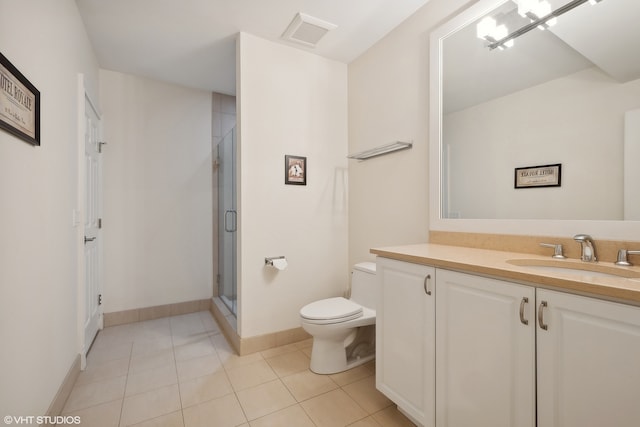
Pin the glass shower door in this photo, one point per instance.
(227, 221)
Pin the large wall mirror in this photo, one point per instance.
(519, 84)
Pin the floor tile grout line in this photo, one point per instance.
(351, 397)
(210, 335)
(270, 413)
(142, 392)
(307, 414)
(126, 381)
(282, 409)
(175, 366)
(244, 412)
(235, 392)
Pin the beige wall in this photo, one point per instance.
(157, 193)
(47, 42)
(388, 101)
(290, 102)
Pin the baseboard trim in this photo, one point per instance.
(149, 313)
(244, 346)
(220, 313)
(57, 405)
(276, 339)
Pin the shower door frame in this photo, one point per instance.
(227, 222)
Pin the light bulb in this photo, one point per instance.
(486, 27)
(525, 7)
(499, 33)
(543, 9)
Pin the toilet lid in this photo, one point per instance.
(331, 309)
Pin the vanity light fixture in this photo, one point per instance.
(540, 21)
(379, 151)
(536, 9)
(489, 30)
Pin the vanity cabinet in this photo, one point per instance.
(485, 352)
(405, 337)
(482, 352)
(588, 362)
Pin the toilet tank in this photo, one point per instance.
(364, 284)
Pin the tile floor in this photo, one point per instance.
(180, 372)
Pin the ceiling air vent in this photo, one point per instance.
(307, 30)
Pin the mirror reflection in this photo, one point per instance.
(567, 93)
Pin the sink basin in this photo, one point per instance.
(576, 268)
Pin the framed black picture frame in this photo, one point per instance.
(538, 176)
(19, 104)
(295, 170)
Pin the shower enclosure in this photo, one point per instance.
(227, 221)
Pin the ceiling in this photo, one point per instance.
(192, 42)
(611, 35)
(603, 35)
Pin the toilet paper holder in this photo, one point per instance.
(269, 260)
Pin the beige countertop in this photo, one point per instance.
(503, 265)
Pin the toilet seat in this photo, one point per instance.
(331, 310)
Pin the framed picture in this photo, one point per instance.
(295, 170)
(19, 104)
(538, 176)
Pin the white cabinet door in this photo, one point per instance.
(405, 337)
(485, 353)
(588, 362)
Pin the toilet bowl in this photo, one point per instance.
(343, 330)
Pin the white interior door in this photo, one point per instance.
(92, 223)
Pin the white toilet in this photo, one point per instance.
(343, 329)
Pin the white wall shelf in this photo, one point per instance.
(381, 150)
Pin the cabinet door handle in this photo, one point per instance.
(524, 301)
(426, 282)
(541, 323)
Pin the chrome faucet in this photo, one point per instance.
(588, 247)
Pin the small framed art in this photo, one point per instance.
(538, 176)
(295, 170)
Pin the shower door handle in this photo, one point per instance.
(234, 221)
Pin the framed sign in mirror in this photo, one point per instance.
(19, 104)
(538, 176)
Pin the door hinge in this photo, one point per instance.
(100, 144)
(99, 299)
(217, 279)
(99, 222)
